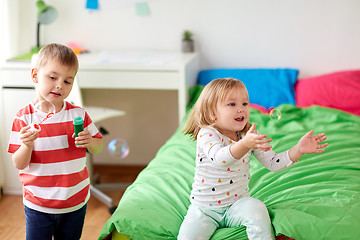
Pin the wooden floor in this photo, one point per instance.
(12, 217)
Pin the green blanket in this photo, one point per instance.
(318, 198)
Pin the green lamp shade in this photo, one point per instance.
(46, 14)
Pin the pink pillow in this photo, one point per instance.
(259, 107)
(339, 90)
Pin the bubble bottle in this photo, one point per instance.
(78, 125)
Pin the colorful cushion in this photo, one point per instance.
(266, 87)
(339, 90)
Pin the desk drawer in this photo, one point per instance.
(162, 80)
(16, 78)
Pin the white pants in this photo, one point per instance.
(201, 222)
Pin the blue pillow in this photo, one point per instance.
(266, 87)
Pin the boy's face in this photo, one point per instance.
(233, 114)
(54, 82)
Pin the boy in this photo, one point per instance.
(52, 163)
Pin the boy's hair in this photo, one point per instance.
(57, 52)
(202, 113)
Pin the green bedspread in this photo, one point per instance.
(318, 198)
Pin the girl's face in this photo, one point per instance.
(233, 114)
(54, 81)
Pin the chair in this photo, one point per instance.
(97, 115)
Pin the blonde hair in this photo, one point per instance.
(202, 113)
(57, 52)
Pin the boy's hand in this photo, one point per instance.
(83, 140)
(28, 137)
(311, 144)
(255, 141)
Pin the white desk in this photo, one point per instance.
(177, 74)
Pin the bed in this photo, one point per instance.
(318, 198)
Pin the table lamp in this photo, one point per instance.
(46, 14)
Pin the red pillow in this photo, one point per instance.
(339, 90)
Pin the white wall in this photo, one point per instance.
(9, 28)
(315, 36)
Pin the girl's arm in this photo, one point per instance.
(250, 141)
(21, 158)
(212, 146)
(308, 144)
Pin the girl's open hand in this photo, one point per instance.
(83, 140)
(256, 141)
(311, 144)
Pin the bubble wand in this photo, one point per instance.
(36, 126)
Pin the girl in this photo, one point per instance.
(220, 196)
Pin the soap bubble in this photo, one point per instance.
(118, 148)
(46, 107)
(275, 114)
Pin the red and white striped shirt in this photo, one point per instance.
(56, 180)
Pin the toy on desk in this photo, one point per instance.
(41, 108)
(77, 48)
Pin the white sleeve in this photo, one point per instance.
(273, 161)
(213, 148)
